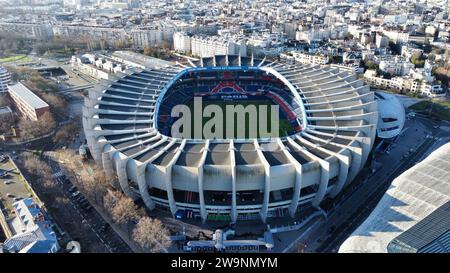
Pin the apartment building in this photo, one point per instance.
(110, 36)
(147, 37)
(305, 58)
(396, 66)
(39, 31)
(421, 87)
(182, 42)
(208, 46)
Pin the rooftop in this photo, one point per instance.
(33, 231)
(27, 95)
(416, 195)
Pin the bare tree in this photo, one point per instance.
(36, 167)
(5, 101)
(122, 208)
(125, 210)
(109, 201)
(32, 129)
(57, 103)
(6, 123)
(94, 186)
(66, 133)
(151, 235)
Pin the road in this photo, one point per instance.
(91, 218)
(356, 202)
(374, 189)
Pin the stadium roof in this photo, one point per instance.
(334, 114)
(413, 212)
(432, 234)
(28, 96)
(146, 61)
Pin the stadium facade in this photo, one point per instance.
(391, 115)
(333, 115)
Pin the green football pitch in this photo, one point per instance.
(285, 128)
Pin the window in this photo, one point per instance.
(389, 129)
(389, 119)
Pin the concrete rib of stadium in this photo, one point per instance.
(238, 178)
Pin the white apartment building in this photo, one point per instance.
(29, 30)
(397, 36)
(111, 36)
(381, 41)
(84, 65)
(182, 42)
(305, 58)
(396, 66)
(404, 83)
(312, 35)
(208, 46)
(428, 89)
(337, 31)
(148, 37)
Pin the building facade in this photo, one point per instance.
(304, 58)
(5, 80)
(28, 103)
(37, 31)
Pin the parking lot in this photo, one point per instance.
(12, 186)
(90, 218)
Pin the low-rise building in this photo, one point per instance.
(28, 103)
(33, 232)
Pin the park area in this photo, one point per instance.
(16, 58)
(435, 109)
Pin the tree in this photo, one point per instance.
(65, 134)
(109, 200)
(36, 167)
(94, 186)
(151, 235)
(165, 45)
(121, 208)
(417, 59)
(125, 210)
(31, 129)
(5, 101)
(148, 51)
(58, 105)
(6, 122)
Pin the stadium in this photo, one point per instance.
(328, 124)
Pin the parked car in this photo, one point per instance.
(105, 227)
(75, 194)
(73, 189)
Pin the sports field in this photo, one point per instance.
(285, 128)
